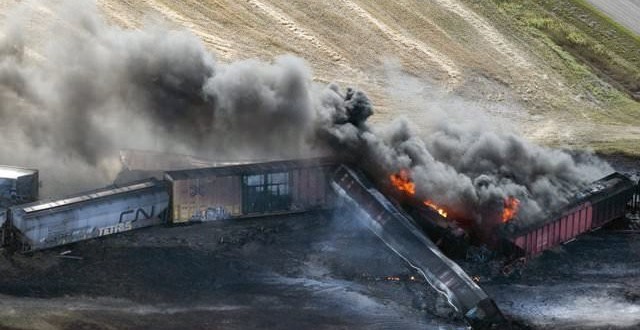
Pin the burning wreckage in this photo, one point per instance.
(407, 225)
(601, 202)
(427, 197)
(424, 232)
(467, 204)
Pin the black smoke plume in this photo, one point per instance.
(68, 104)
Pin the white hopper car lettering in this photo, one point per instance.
(93, 214)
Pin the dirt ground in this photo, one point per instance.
(314, 270)
(590, 283)
(290, 272)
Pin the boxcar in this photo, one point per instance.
(97, 213)
(603, 201)
(249, 189)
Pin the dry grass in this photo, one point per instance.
(518, 54)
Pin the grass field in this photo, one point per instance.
(563, 73)
(599, 58)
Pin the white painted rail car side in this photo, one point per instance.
(98, 213)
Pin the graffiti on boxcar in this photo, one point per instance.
(217, 213)
(117, 228)
(211, 214)
(139, 214)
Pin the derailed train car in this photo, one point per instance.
(400, 233)
(603, 201)
(17, 185)
(196, 195)
(46, 224)
(248, 190)
(272, 188)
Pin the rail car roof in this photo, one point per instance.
(275, 166)
(595, 192)
(598, 190)
(11, 172)
(88, 196)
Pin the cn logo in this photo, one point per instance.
(140, 213)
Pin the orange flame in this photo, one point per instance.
(511, 206)
(402, 182)
(438, 209)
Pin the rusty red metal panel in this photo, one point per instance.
(545, 236)
(578, 220)
(541, 238)
(310, 187)
(570, 227)
(540, 245)
(560, 229)
(589, 216)
(576, 225)
(583, 220)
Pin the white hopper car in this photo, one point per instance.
(106, 211)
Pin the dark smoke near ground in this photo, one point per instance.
(98, 88)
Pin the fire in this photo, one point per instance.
(511, 205)
(402, 182)
(435, 207)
